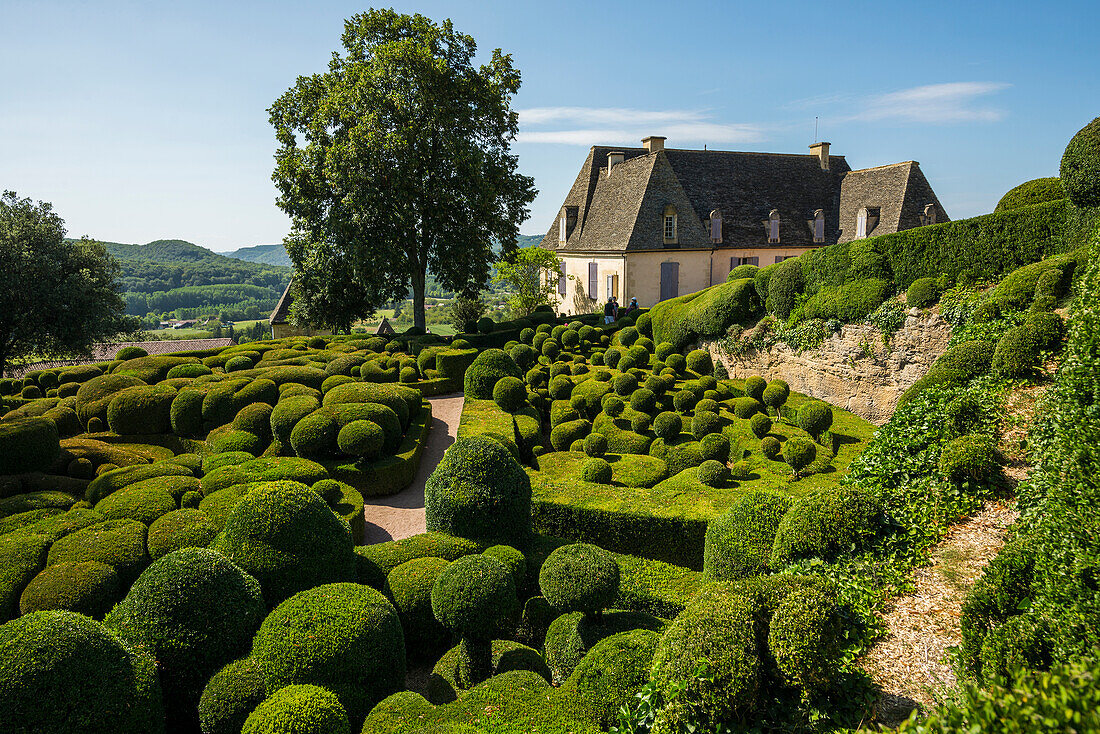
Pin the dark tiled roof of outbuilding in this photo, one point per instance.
(899, 191)
(282, 308)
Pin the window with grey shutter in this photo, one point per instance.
(561, 285)
(593, 280)
(670, 280)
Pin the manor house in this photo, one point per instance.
(655, 222)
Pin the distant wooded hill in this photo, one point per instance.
(276, 255)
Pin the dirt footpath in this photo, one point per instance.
(402, 514)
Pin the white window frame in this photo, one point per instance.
(861, 224)
(670, 227)
(561, 228)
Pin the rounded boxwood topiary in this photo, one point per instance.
(510, 394)
(1080, 169)
(64, 672)
(580, 578)
(345, 637)
(513, 560)
(28, 444)
(643, 400)
(1046, 328)
(805, 637)
(640, 422)
(484, 372)
(668, 425)
(799, 453)
(739, 543)
(118, 543)
(595, 445)
(230, 696)
(479, 491)
(472, 597)
(826, 524)
(194, 611)
(185, 528)
(138, 502)
(236, 364)
(775, 394)
(969, 458)
(30, 392)
(755, 386)
(713, 473)
(597, 471)
(1036, 191)
(1017, 353)
(409, 586)
(625, 384)
(770, 447)
(255, 419)
(760, 424)
(613, 671)
(564, 435)
(561, 387)
(676, 362)
(815, 418)
(746, 407)
(89, 588)
(316, 435)
(705, 423)
(699, 361)
(286, 536)
(613, 405)
(684, 400)
(715, 446)
(299, 709)
(130, 353)
(715, 630)
(288, 411)
(570, 636)
(922, 293)
(361, 438)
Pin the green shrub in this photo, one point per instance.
(375, 562)
(94, 396)
(715, 446)
(739, 543)
(118, 543)
(964, 414)
(510, 394)
(755, 386)
(596, 470)
(1017, 353)
(283, 534)
(970, 358)
(613, 671)
(667, 425)
(570, 637)
(472, 597)
(1047, 329)
(805, 638)
(138, 502)
(705, 423)
(184, 528)
(643, 400)
(1036, 191)
(30, 392)
(969, 458)
(288, 411)
(508, 660)
(815, 418)
(922, 293)
(564, 434)
(851, 301)
(361, 438)
(705, 314)
(27, 444)
(580, 578)
(151, 369)
(746, 407)
(713, 473)
(1080, 169)
(230, 696)
(770, 447)
(1022, 643)
(760, 424)
(826, 524)
(22, 556)
(344, 637)
(188, 370)
(64, 672)
(89, 588)
(479, 491)
(409, 586)
(194, 611)
(299, 709)
(595, 445)
(699, 361)
(488, 367)
(710, 657)
(127, 353)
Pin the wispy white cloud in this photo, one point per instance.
(612, 125)
(935, 104)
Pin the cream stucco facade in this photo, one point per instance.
(638, 274)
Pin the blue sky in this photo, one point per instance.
(147, 120)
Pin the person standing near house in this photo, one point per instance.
(609, 310)
(632, 306)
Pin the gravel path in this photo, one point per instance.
(401, 515)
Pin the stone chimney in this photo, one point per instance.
(614, 158)
(653, 143)
(820, 151)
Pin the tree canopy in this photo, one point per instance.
(57, 297)
(396, 161)
(532, 275)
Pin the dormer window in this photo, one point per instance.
(567, 220)
(773, 227)
(819, 226)
(716, 227)
(561, 229)
(929, 215)
(670, 225)
(866, 220)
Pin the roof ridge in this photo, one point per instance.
(712, 150)
(886, 165)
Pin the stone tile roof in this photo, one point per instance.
(106, 352)
(282, 308)
(623, 211)
(899, 191)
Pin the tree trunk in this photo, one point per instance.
(475, 661)
(418, 278)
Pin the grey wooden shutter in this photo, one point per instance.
(670, 280)
(561, 285)
(593, 280)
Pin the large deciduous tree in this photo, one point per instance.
(57, 297)
(394, 162)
